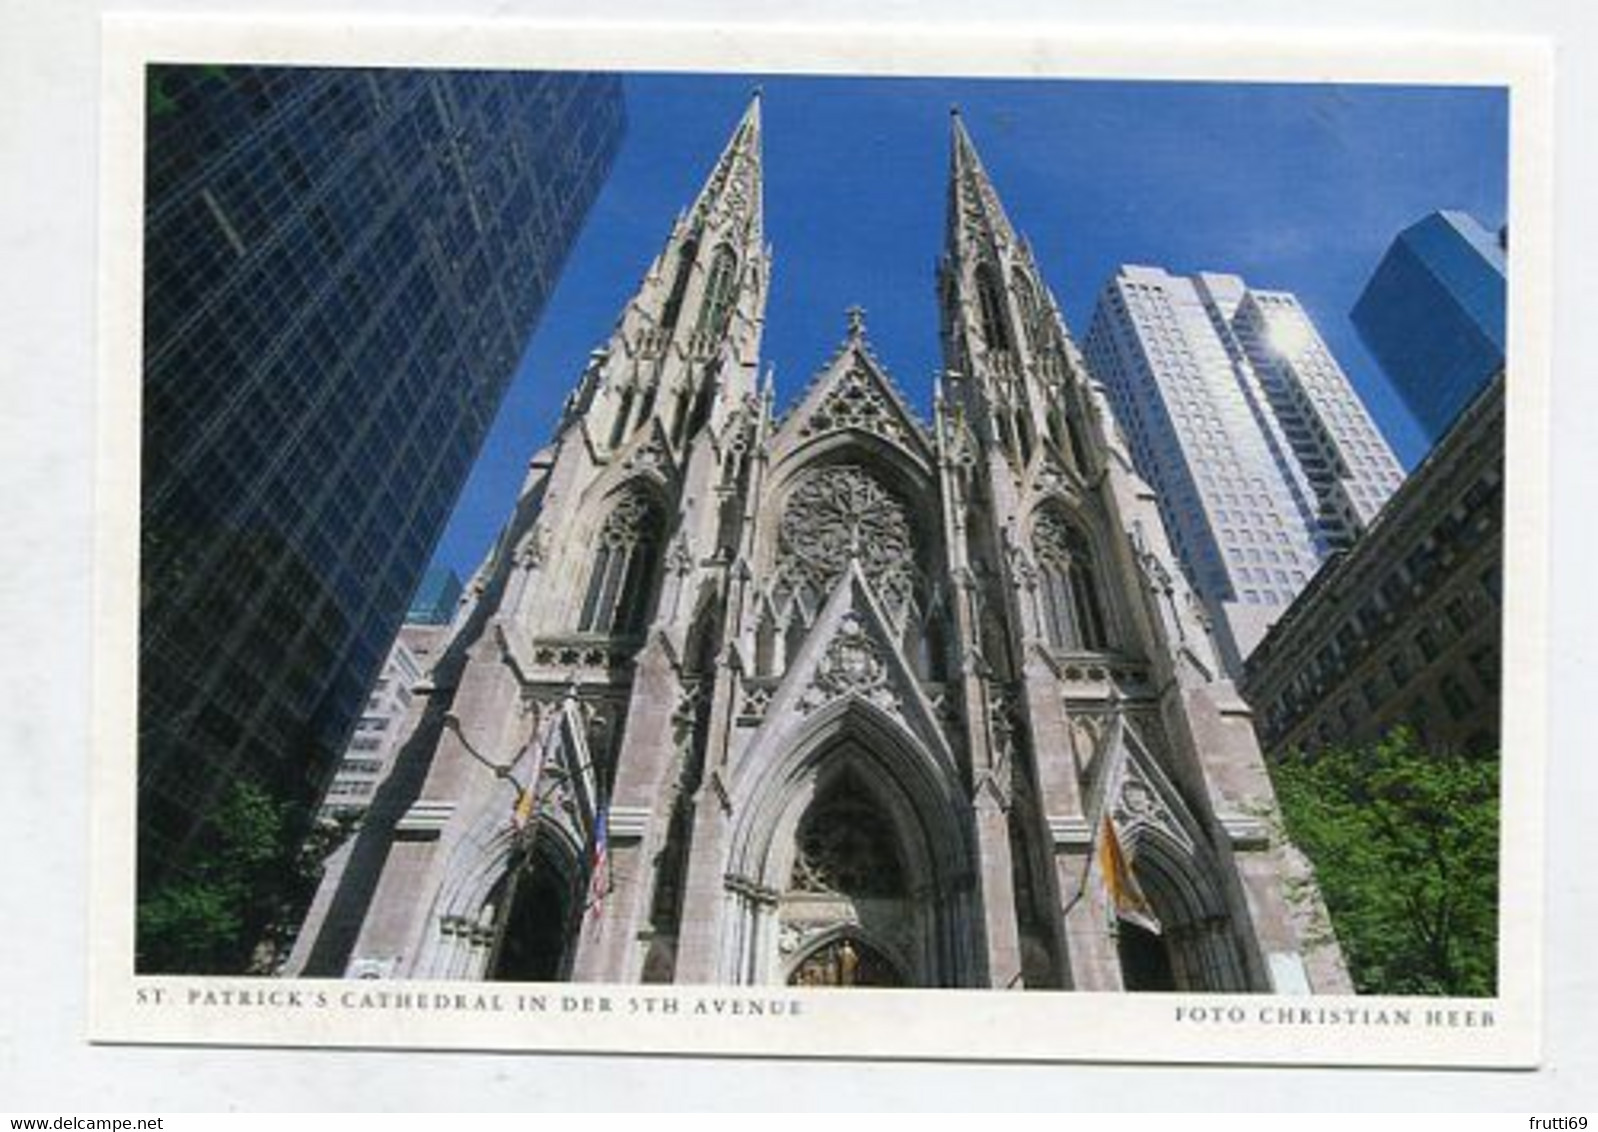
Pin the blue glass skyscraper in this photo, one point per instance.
(342, 269)
(1433, 315)
(435, 599)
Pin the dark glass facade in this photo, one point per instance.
(1433, 315)
(435, 599)
(342, 269)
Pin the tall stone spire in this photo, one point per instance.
(976, 219)
(685, 349)
(1009, 357)
(731, 196)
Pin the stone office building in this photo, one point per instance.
(1406, 627)
(831, 696)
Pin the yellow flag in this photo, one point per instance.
(1120, 882)
(523, 812)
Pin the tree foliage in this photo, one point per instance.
(215, 918)
(1405, 847)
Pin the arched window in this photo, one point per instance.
(618, 427)
(1027, 300)
(846, 846)
(679, 285)
(1079, 450)
(842, 513)
(719, 291)
(1023, 432)
(623, 575)
(991, 303)
(1072, 615)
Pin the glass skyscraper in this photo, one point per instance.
(1264, 458)
(435, 599)
(342, 268)
(1433, 315)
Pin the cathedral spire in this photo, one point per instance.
(975, 216)
(1002, 335)
(686, 348)
(732, 193)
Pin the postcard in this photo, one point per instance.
(984, 547)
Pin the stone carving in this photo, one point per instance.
(578, 654)
(631, 521)
(946, 709)
(857, 400)
(1051, 478)
(756, 698)
(791, 937)
(1053, 538)
(852, 665)
(840, 514)
(680, 558)
(530, 555)
(1138, 806)
(962, 446)
(652, 456)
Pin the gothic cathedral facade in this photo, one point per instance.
(831, 696)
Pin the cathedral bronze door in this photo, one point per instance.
(846, 962)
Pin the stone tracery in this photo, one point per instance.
(858, 401)
(839, 514)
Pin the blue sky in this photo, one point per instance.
(1294, 187)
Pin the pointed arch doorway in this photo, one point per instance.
(848, 913)
(851, 864)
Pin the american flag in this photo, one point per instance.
(599, 867)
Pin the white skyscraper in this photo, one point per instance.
(1263, 456)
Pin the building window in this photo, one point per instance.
(1485, 662)
(719, 291)
(1455, 697)
(1027, 300)
(623, 573)
(679, 285)
(992, 309)
(1072, 615)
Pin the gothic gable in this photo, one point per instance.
(855, 394)
(849, 661)
(1125, 776)
(1048, 475)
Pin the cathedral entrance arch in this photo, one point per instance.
(1196, 948)
(848, 881)
(534, 911)
(852, 864)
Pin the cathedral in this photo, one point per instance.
(830, 696)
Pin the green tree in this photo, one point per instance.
(1405, 847)
(214, 919)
